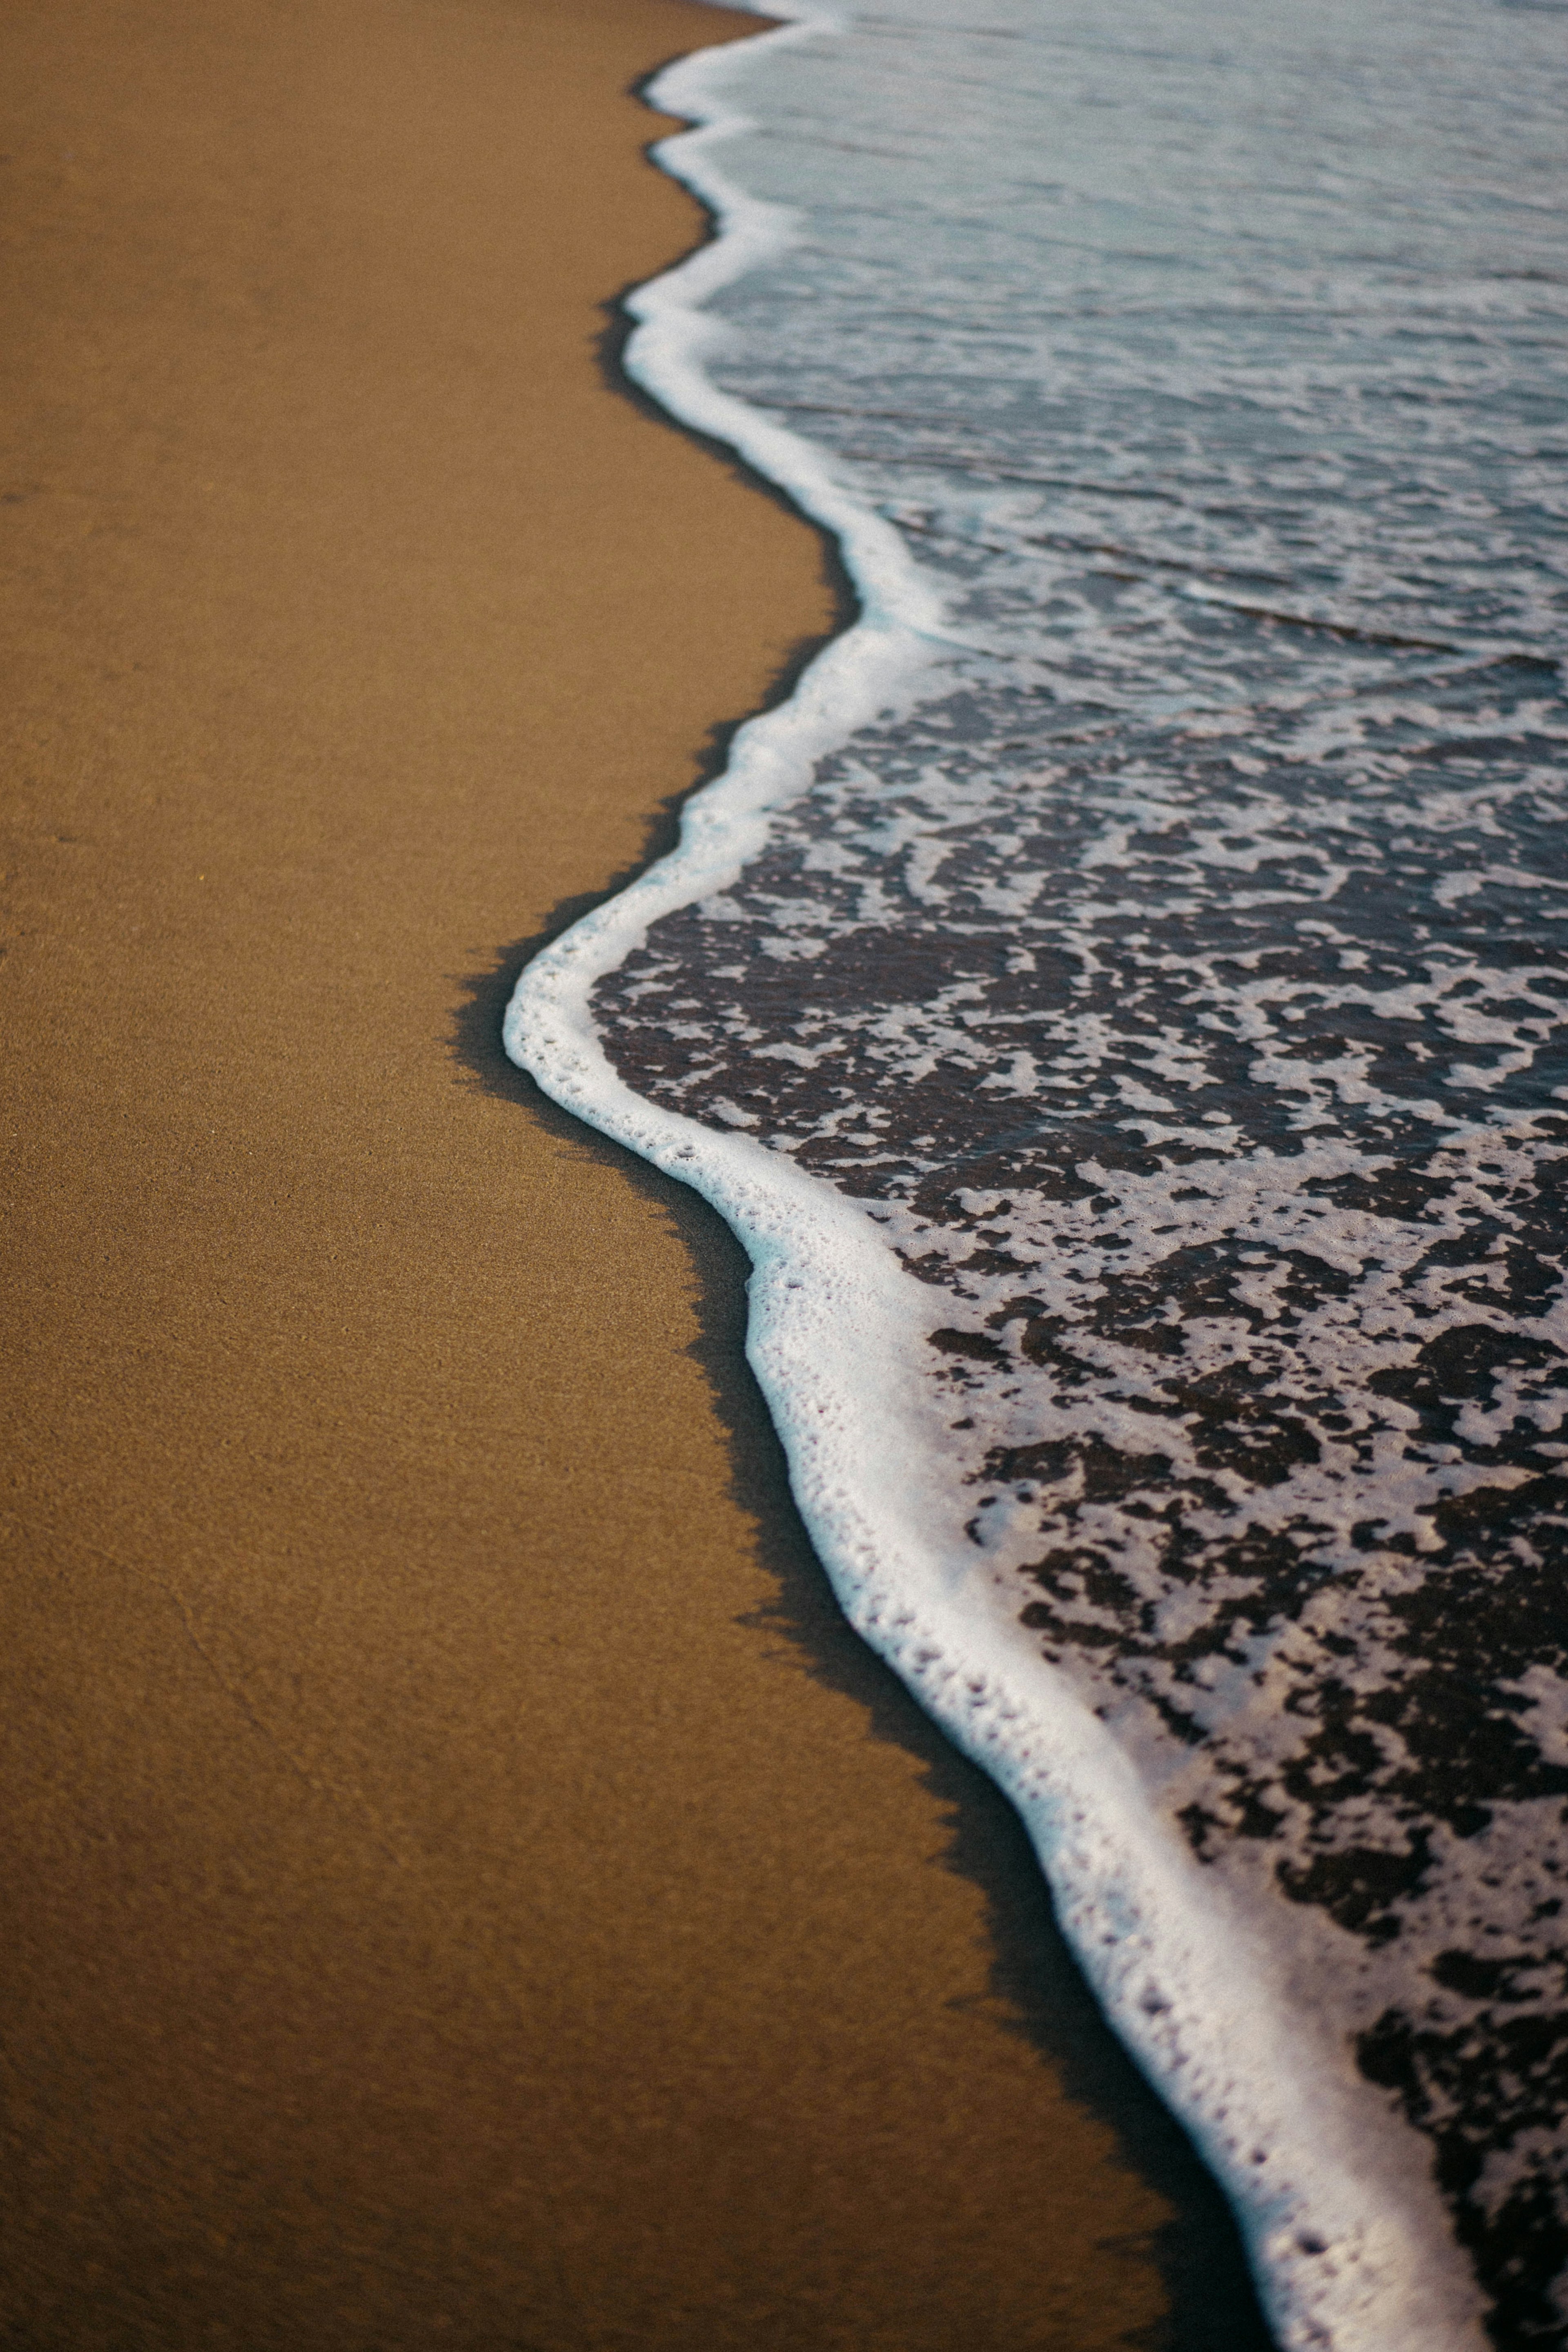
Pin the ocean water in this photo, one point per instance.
(1121, 1001)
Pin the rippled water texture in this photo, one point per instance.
(1179, 975)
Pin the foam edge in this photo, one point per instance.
(1348, 2238)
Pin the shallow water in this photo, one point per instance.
(1171, 964)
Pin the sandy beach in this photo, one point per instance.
(465, 1883)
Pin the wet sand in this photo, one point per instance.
(465, 1885)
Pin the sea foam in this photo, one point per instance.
(1112, 1000)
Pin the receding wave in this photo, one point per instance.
(1121, 1002)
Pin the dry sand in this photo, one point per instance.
(465, 1884)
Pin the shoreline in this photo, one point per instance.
(834, 1332)
(474, 1885)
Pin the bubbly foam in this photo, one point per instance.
(1119, 1002)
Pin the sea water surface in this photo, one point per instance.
(1121, 1001)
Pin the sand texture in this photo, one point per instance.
(464, 1884)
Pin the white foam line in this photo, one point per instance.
(1347, 2235)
